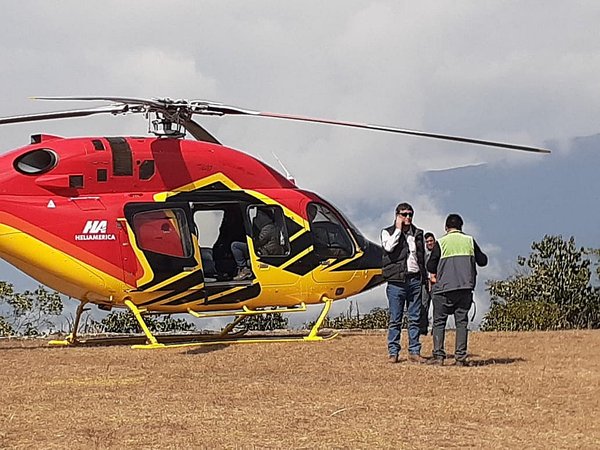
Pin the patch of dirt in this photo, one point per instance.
(538, 390)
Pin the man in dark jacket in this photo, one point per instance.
(426, 288)
(452, 265)
(404, 270)
(267, 235)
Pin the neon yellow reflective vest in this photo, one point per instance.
(456, 268)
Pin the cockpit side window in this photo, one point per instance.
(330, 237)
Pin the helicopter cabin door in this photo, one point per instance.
(166, 245)
(223, 243)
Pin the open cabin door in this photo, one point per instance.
(166, 245)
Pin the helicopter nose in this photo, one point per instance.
(371, 262)
(372, 258)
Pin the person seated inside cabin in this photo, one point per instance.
(241, 257)
(266, 237)
(266, 234)
(231, 230)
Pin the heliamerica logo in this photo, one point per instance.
(95, 230)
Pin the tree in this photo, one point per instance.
(265, 322)
(552, 289)
(28, 313)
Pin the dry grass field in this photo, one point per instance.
(526, 390)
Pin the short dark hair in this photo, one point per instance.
(404, 207)
(428, 235)
(454, 221)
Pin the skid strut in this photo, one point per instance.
(225, 339)
(71, 339)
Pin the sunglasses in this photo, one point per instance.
(406, 214)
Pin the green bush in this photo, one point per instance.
(552, 289)
(28, 313)
(126, 323)
(265, 322)
(520, 315)
(376, 319)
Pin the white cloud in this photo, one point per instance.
(510, 71)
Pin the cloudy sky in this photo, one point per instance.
(516, 71)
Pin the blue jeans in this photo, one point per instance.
(399, 295)
(240, 253)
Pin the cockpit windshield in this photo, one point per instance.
(361, 240)
(330, 237)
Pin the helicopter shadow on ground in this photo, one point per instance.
(495, 361)
(206, 349)
(474, 362)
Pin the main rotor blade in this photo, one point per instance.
(446, 137)
(64, 114)
(127, 100)
(199, 132)
(224, 109)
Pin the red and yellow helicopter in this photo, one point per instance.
(148, 223)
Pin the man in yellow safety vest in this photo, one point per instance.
(452, 265)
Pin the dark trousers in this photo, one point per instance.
(425, 303)
(457, 303)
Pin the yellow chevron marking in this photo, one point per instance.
(297, 257)
(217, 177)
(344, 262)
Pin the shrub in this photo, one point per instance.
(552, 289)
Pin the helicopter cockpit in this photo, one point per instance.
(331, 239)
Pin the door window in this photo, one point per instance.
(163, 231)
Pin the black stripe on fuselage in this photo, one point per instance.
(304, 265)
(371, 259)
(240, 295)
(177, 287)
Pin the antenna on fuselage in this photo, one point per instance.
(288, 175)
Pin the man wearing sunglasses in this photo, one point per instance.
(404, 270)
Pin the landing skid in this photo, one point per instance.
(225, 337)
(254, 339)
(141, 339)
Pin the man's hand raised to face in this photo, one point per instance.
(404, 219)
